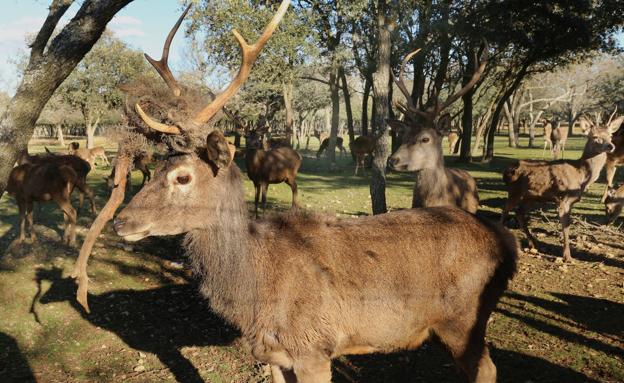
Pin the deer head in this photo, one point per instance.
(422, 129)
(599, 138)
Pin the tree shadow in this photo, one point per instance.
(159, 321)
(13, 365)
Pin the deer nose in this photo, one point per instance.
(118, 224)
(392, 162)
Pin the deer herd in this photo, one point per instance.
(305, 288)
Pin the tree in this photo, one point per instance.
(49, 64)
(93, 87)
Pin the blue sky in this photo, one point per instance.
(143, 24)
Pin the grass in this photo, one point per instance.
(557, 323)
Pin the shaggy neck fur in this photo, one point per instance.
(594, 164)
(430, 184)
(220, 253)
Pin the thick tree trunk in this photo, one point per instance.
(347, 100)
(381, 91)
(46, 71)
(59, 134)
(288, 106)
(334, 88)
(367, 89)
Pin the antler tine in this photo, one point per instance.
(161, 65)
(249, 55)
(400, 82)
(159, 126)
(473, 81)
(612, 115)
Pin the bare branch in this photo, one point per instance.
(57, 10)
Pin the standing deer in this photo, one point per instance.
(89, 155)
(270, 166)
(614, 158)
(614, 203)
(139, 162)
(555, 136)
(46, 181)
(421, 149)
(453, 137)
(325, 144)
(304, 289)
(562, 182)
(361, 147)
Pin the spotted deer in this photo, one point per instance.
(422, 131)
(562, 181)
(299, 286)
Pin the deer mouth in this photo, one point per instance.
(134, 236)
(129, 232)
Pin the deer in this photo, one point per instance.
(270, 166)
(614, 203)
(304, 288)
(361, 147)
(614, 158)
(45, 181)
(89, 155)
(422, 131)
(74, 162)
(561, 181)
(453, 137)
(325, 144)
(139, 162)
(555, 137)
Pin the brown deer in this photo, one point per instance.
(325, 144)
(89, 155)
(46, 181)
(304, 289)
(614, 203)
(361, 147)
(555, 136)
(270, 166)
(140, 162)
(453, 137)
(614, 158)
(422, 131)
(562, 182)
(74, 162)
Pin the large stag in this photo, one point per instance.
(562, 182)
(422, 131)
(270, 166)
(304, 289)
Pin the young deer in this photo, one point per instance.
(89, 155)
(421, 150)
(43, 182)
(304, 289)
(325, 143)
(272, 166)
(361, 147)
(555, 136)
(562, 182)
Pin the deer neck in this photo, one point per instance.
(220, 254)
(593, 163)
(431, 182)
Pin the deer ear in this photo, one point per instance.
(219, 151)
(615, 124)
(397, 126)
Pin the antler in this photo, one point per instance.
(433, 111)
(161, 65)
(249, 55)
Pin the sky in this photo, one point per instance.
(143, 24)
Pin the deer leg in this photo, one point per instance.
(80, 199)
(84, 188)
(565, 219)
(512, 201)
(610, 169)
(69, 212)
(357, 165)
(282, 376)
(523, 222)
(29, 218)
(257, 187)
(265, 188)
(293, 187)
(313, 370)
(22, 221)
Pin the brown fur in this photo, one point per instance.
(436, 185)
(325, 144)
(614, 159)
(360, 148)
(46, 181)
(305, 288)
(272, 166)
(562, 182)
(453, 138)
(89, 155)
(614, 203)
(555, 136)
(139, 162)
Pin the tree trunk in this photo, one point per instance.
(288, 106)
(59, 134)
(381, 91)
(367, 89)
(91, 126)
(347, 100)
(334, 88)
(47, 70)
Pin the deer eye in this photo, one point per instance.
(183, 180)
(425, 140)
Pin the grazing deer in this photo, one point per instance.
(614, 158)
(270, 166)
(421, 149)
(78, 164)
(46, 181)
(555, 136)
(139, 162)
(361, 147)
(325, 144)
(614, 203)
(562, 182)
(89, 155)
(304, 289)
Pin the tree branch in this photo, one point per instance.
(315, 79)
(57, 10)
